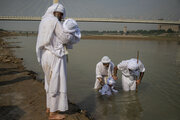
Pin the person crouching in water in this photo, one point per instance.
(51, 54)
(104, 69)
(108, 88)
(132, 73)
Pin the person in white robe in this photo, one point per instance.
(132, 73)
(108, 89)
(104, 70)
(53, 39)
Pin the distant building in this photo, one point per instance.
(125, 30)
(175, 28)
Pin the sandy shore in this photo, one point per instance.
(22, 97)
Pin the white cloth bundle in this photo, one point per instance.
(71, 26)
(106, 89)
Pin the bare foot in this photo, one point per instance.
(56, 116)
(48, 110)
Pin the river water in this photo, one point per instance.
(158, 96)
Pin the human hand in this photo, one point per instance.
(138, 82)
(101, 81)
(115, 77)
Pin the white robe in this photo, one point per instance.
(129, 81)
(103, 72)
(51, 54)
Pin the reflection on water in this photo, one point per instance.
(158, 95)
(125, 106)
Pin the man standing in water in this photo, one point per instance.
(52, 39)
(132, 73)
(104, 70)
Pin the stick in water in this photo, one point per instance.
(137, 63)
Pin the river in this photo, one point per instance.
(158, 95)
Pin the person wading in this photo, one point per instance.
(53, 38)
(104, 70)
(132, 73)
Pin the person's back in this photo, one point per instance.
(126, 65)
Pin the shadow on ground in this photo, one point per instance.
(11, 113)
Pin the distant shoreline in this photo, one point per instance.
(168, 37)
(130, 37)
(122, 37)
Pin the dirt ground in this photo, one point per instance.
(22, 97)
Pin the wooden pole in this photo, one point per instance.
(137, 56)
(55, 1)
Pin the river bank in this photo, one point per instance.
(22, 97)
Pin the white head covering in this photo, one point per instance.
(132, 65)
(57, 7)
(110, 81)
(71, 26)
(105, 59)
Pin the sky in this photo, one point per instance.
(130, 9)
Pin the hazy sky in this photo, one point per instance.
(136, 9)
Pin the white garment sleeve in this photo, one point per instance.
(98, 73)
(73, 40)
(63, 37)
(112, 68)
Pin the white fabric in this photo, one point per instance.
(71, 26)
(103, 72)
(110, 81)
(97, 84)
(105, 59)
(132, 65)
(51, 54)
(55, 81)
(128, 84)
(107, 90)
(129, 78)
(123, 66)
(46, 28)
(57, 7)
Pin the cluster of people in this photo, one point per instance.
(106, 75)
(54, 38)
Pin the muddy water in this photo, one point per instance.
(158, 95)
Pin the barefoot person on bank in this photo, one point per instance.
(53, 39)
